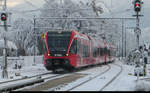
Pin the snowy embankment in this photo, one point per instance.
(124, 82)
(143, 85)
(29, 67)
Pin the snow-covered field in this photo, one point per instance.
(126, 81)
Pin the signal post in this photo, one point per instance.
(137, 9)
(4, 16)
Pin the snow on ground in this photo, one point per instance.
(95, 84)
(98, 83)
(28, 69)
(126, 81)
(90, 74)
(143, 85)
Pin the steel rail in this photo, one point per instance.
(107, 84)
(109, 67)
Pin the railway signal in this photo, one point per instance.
(137, 8)
(137, 5)
(3, 16)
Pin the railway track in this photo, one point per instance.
(44, 77)
(23, 82)
(107, 84)
(109, 67)
(53, 82)
(37, 79)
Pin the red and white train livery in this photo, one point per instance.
(68, 50)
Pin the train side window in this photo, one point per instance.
(95, 52)
(101, 51)
(73, 48)
(108, 51)
(85, 51)
(105, 50)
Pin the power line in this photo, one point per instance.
(30, 3)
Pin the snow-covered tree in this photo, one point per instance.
(23, 35)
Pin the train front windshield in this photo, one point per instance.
(58, 42)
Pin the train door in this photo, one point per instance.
(101, 55)
(95, 54)
(109, 55)
(85, 52)
(79, 59)
(105, 54)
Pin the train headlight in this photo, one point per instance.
(67, 54)
(48, 54)
(43, 36)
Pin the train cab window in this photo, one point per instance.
(44, 48)
(101, 51)
(73, 48)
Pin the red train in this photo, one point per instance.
(68, 50)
